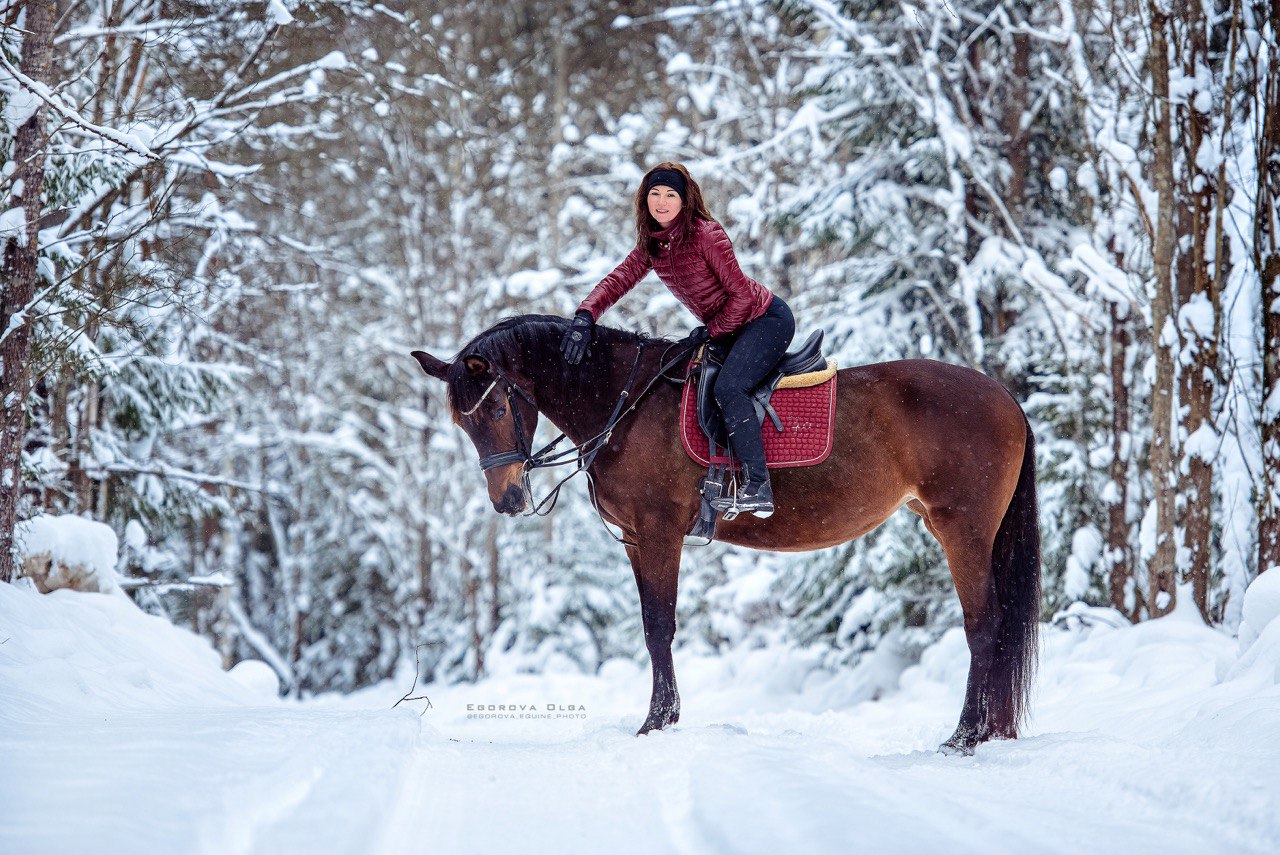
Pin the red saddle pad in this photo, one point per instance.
(807, 415)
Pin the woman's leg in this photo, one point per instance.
(754, 353)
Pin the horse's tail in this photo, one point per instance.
(1015, 564)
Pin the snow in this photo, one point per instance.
(278, 13)
(1086, 549)
(126, 735)
(1108, 281)
(256, 676)
(1196, 316)
(1202, 443)
(1058, 179)
(1261, 607)
(1271, 406)
(534, 283)
(135, 536)
(70, 551)
(13, 224)
(679, 62)
(20, 103)
(22, 107)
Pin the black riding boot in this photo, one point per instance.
(756, 494)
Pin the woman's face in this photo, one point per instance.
(664, 204)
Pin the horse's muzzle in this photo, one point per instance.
(513, 501)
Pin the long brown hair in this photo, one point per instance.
(693, 209)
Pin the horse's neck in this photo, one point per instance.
(583, 417)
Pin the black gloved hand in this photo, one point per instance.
(698, 335)
(577, 341)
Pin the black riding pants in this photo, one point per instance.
(754, 351)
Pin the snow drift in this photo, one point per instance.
(121, 732)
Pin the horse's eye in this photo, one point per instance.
(499, 413)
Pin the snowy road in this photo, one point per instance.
(711, 790)
(1157, 738)
(831, 782)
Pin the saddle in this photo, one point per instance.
(807, 359)
(799, 435)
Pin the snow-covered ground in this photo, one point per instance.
(120, 733)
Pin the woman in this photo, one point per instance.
(693, 257)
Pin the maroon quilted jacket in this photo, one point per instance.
(703, 274)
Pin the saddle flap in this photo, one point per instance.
(798, 432)
(703, 375)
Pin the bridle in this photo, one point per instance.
(521, 453)
(584, 452)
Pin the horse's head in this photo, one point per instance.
(496, 409)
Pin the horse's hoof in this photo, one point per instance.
(657, 721)
(953, 748)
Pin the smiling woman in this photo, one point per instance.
(680, 241)
(663, 199)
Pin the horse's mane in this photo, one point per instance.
(531, 344)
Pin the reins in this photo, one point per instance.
(584, 453)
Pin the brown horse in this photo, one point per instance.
(949, 443)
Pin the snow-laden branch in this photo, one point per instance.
(171, 472)
(19, 318)
(624, 22)
(333, 61)
(59, 106)
(163, 27)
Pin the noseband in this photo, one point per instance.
(521, 453)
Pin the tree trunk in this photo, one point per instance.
(1199, 356)
(426, 558)
(471, 590)
(559, 112)
(1266, 253)
(1119, 554)
(19, 274)
(1161, 569)
(494, 559)
(1269, 488)
(1017, 151)
(973, 205)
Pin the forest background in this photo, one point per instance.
(225, 224)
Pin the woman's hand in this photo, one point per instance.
(577, 341)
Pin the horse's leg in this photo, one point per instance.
(993, 548)
(656, 564)
(968, 548)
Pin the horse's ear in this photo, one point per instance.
(476, 365)
(430, 364)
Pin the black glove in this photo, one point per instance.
(577, 341)
(698, 335)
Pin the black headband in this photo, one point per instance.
(666, 178)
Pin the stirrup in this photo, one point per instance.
(731, 505)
